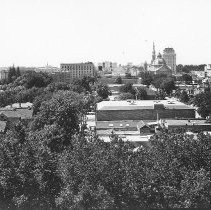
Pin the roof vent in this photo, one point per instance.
(127, 125)
(111, 125)
(121, 125)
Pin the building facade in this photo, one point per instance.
(107, 66)
(207, 70)
(78, 70)
(4, 74)
(142, 110)
(169, 56)
(158, 65)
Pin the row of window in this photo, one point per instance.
(67, 67)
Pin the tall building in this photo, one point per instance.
(169, 56)
(207, 70)
(78, 70)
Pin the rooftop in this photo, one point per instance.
(90, 63)
(173, 122)
(141, 104)
(23, 105)
(131, 138)
(17, 113)
(119, 124)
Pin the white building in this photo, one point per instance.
(107, 66)
(207, 70)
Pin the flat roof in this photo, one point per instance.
(119, 124)
(131, 138)
(182, 122)
(108, 132)
(140, 104)
(17, 113)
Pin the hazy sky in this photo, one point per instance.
(34, 32)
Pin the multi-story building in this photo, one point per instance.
(207, 70)
(169, 56)
(4, 74)
(78, 70)
(107, 66)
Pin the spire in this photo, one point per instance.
(153, 53)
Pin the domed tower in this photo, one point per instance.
(159, 61)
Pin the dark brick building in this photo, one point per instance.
(142, 110)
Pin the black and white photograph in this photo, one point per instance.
(105, 104)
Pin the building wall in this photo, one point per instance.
(78, 70)
(143, 114)
(207, 70)
(193, 128)
(169, 56)
(4, 74)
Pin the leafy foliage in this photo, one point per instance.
(203, 102)
(118, 80)
(189, 68)
(103, 90)
(141, 93)
(184, 97)
(128, 88)
(146, 77)
(125, 96)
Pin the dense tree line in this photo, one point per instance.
(48, 169)
(188, 68)
(162, 82)
(56, 163)
(127, 91)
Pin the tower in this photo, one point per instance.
(153, 53)
(169, 56)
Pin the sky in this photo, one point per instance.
(37, 32)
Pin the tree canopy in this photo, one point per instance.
(203, 102)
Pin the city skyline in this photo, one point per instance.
(35, 33)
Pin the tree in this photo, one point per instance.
(64, 112)
(33, 79)
(178, 159)
(160, 95)
(141, 93)
(188, 68)
(11, 74)
(85, 83)
(202, 101)
(118, 80)
(125, 96)
(146, 78)
(168, 86)
(184, 97)
(18, 74)
(103, 90)
(53, 87)
(187, 78)
(128, 75)
(128, 88)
